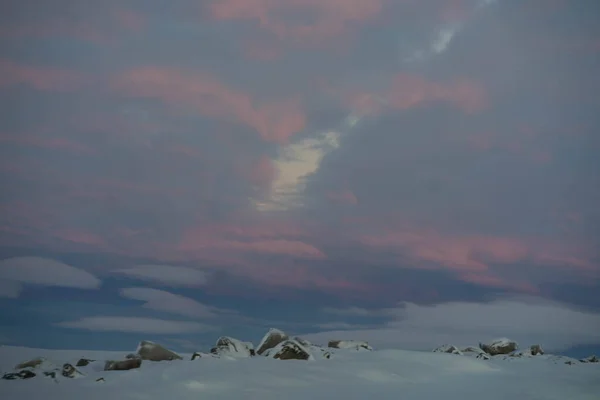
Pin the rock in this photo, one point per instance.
(232, 347)
(499, 346)
(84, 362)
(569, 362)
(50, 374)
(196, 355)
(36, 362)
(69, 371)
(271, 339)
(349, 344)
(154, 352)
(24, 374)
(124, 365)
(132, 355)
(590, 359)
(289, 350)
(536, 349)
(100, 380)
(448, 349)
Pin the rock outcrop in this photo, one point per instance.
(349, 344)
(84, 362)
(499, 346)
(123, 365)
(151, 351)
(536, 349)
(34, 363)
(289, 350)
(271, 339)
(232, 347)
(69, 371)
(590, 359)
(448, 349)
(24, 374)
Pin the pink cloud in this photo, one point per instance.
(342, 197)
(275, 122)
(40, 78)
(475, 254)
(46, 142)
(330, 18)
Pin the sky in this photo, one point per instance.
(409, 172)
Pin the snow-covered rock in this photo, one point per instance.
(536, 349)
(232, 347)
(151, 351)
(349, 344)
(499, 346)
(476, 352)
(590, 359)
(270, 340)
(289, 350)
(448, 349)
(123, 365)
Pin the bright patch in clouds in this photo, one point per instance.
(295, 162)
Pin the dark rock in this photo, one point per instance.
(536, 349)
(590, 359)
(124, 365)
(196, 355)
(100, 380)
(83, 362)
(291, 350)
(69, 371)
(349, 344)
(36, 362)
(154, 352)
(569, 362)
(50, 374)
(270, 340)
(24, 374)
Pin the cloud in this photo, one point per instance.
(46, 272)
(40, 78)
(274, 121)
(328, 18)
(10, 289)
(170, 275)
(528, 320)
(164, 301)
(135, 325)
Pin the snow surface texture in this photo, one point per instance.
(349, 374)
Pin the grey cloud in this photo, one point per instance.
(527, 320)
(135, 325)
(170, 275)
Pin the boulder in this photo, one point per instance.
(536, 349)
(123, 365)
(289, 350)
(448, 349)
(151, 351)
(349, 344)
(34, 363)
(590, 359)
(271, 339)
(69, 371)
(232, 347)
(24, 374)
(196, 355)
(499, 346)
(84, 362)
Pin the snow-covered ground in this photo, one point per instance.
(379, 374)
